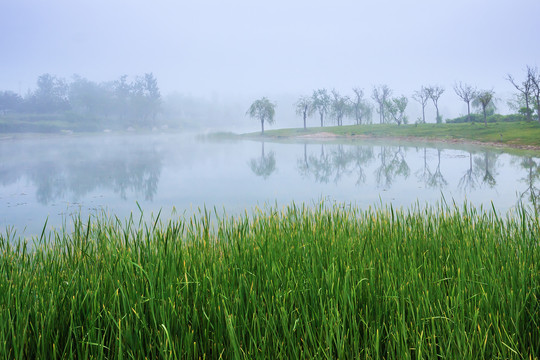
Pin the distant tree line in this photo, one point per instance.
(337, 107)
(135, 102)
(331, 105)
(391, 109)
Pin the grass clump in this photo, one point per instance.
(303, 282)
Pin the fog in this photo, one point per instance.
(53, 178)
(232, 52)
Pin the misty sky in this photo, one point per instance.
(259, 48)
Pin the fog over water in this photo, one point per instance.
(235, 51)
(57, 177)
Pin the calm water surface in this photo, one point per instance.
(55, 177)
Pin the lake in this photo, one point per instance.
(53, 178)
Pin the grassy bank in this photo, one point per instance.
(517, 134)
(305, 282)
(45, 124)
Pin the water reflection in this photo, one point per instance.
(392, 166)
(361, 156)
(436, 179)
(423, 173)
(61, 170)
(318, 166)
(332, 162)
(483, 172)
(468, 182)
(532, 175)
(265, 165)
(487, 166)
(335, 163)
(40, 178)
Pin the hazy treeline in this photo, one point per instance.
(333, 106)
(127, 101)
(135, 101)
(392, 109)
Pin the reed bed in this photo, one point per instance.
(299, 282)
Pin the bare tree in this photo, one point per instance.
(525, 89)
(467, 93)
(435, 93)
(361, 109)
(339, 107)
(305, 108)
(381, 94)
(484, 98)
(535, 79)
(422, 97)
(321, 102)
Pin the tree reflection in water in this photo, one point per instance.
(318, 166)
(437, 180)
(468, 181)
(67, 170)
(484, 171)
(340, 162)
(487, 168)
(361, 157)
(336, 163)
(393, 165)
(532, 192)
(265, 165)
(423, 174)
(431, 179)
(138, 173)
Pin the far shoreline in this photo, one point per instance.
(324, 136)
(517, 136)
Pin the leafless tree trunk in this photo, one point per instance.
(535, 79)
(467, 93)
(435, 93)
(526, 90)
(359, 93)
(381, 94)
(422, 97)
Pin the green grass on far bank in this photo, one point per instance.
(44, 124)
(299, 283)
(506, 133)
(72, 122)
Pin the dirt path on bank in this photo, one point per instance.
(332, 136)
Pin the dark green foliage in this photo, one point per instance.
(51, 96)
(103, 105)
(9, 102)
(304, 282)
(490, 119)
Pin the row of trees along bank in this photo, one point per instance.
(124, 101)
(391, 109)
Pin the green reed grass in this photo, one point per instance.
(302, 282)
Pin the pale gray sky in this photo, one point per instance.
(253, 48)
